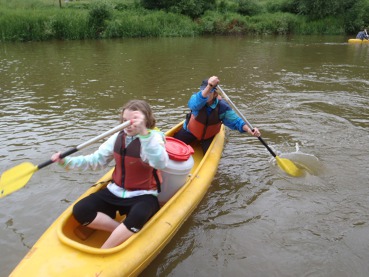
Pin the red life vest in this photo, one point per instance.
(130, 171)
(205, 126)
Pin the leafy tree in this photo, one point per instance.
(318, 9)
(192, 8)
(356, 17)
(288, 6)
(99, 13)
(249, 7)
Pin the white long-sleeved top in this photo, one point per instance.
(152, 151)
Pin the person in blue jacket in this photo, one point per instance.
(363, 35)
(208, 113)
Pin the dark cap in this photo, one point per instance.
(204, 84)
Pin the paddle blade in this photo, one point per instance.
(16, 178)
(289, 167)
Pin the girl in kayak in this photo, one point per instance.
(138, 151)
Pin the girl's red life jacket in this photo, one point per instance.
(130, 171)
(205, 126)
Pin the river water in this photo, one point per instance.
(304, 93)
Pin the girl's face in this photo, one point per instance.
(138, 121)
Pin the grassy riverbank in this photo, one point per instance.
(37, 20)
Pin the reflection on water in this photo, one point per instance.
(305, 91)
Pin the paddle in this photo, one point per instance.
(285, 164)
(18, 176)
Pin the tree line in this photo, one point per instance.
(354, 14)
(38, 20)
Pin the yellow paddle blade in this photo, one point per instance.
(16, 178)
(289, 167)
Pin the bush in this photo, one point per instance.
(276, 23)
(70, 26)
(326, 26)
(227, 6)
(249, 7)
(233, 23)
(191, 8)
(99, 13)
(319, 9)
(356, 18)
(158, 24)
(286, 6)
(223, 23)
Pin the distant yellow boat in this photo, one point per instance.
(59, 252)
(356, 40)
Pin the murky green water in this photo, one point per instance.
(255, 221)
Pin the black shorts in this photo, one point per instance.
(138, 209)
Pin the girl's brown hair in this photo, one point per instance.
(144, 107)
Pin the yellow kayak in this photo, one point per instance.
(356, 40)
(60, 252)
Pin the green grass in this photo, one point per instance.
(153, 24)
(232, 23)
(45, 24)
(38, 20)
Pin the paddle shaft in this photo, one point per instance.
(245, 120)
(87, 143)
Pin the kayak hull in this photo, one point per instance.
(358, 41)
